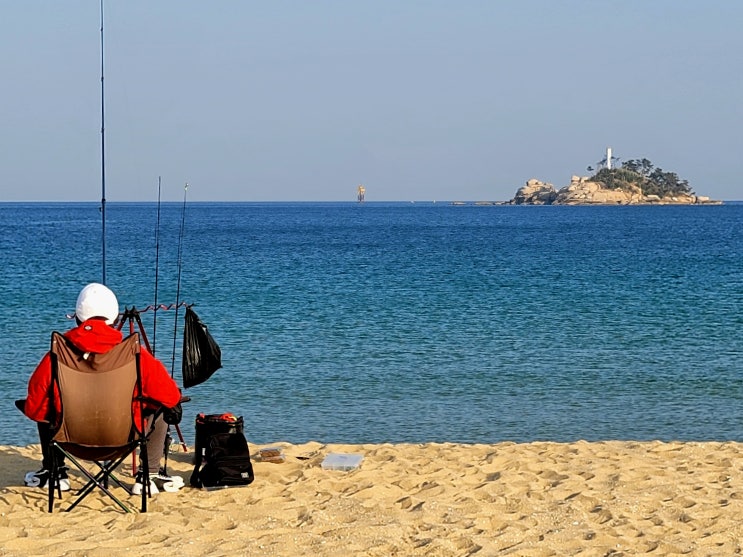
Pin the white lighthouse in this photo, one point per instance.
(608, 158)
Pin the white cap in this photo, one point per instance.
(96, 300)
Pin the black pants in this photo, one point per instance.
(45, 437)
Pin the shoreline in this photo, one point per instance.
(442, 499)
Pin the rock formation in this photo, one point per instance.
(581, 191)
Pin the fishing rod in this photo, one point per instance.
(103, 164)
(157, 266)
(168, 437)
(133, 314)
(178, 283)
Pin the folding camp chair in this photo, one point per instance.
(98, 393)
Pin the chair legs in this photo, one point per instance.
(99, 480)
(53, 477)
(145, 468)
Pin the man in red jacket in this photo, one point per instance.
(96, 310)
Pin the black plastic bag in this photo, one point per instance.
(201, 353)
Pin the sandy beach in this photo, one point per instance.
(532, 499)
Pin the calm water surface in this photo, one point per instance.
(410, 322)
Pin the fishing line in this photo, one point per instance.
(178, 283)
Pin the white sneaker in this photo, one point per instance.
(169, 484)
(40, 479)
(138, 485)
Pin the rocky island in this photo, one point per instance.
(584, 191)
(636, 182)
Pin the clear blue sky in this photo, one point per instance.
(417, 100)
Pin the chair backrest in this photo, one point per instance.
(96, 393)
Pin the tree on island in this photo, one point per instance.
(642, 174)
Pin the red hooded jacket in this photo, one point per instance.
(95, 336)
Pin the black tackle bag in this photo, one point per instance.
(222, 456)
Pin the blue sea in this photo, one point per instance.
(407, 322)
